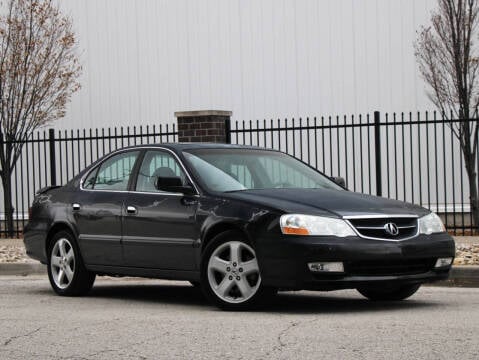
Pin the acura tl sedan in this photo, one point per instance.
(239, 222)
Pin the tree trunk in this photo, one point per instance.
(473, 194)
(8, 205)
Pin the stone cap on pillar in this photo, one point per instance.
(204, 126)
(198, 113)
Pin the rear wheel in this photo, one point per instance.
(390, 294)
(66, 272)
(230, 274)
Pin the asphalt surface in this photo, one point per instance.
(143, 319)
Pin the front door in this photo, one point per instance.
(97, 209)
(159, 228)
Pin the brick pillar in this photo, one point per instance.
(204, 126)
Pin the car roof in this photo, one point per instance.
(178, 147)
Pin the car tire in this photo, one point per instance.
(66, 271)
(390, 294)
(230, 274)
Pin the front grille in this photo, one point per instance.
(389, 267)
(377, 228)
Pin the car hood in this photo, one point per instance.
(326, 202)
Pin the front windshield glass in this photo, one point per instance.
(226, 170)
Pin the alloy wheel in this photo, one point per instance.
(62, 263)
(233, 272)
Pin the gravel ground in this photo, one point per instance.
(467, 254)
(13, 251)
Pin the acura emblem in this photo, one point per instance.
(391, 229)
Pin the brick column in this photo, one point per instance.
(204, 126)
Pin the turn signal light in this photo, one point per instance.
(295, 231)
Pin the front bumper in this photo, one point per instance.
(284, 261)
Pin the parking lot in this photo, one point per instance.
(151, 319)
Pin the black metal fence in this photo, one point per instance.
(412, 157)
(53, 157)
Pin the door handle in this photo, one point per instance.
(131, 210)
(76, 206)
(188, 201)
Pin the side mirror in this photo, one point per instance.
(173, 184)
(339, 180)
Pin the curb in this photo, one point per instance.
(22, 269)
(460, 276)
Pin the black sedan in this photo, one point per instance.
(240, 222)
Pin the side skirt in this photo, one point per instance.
(145, 272)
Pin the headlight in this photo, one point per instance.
(296, 224)
(430, 224)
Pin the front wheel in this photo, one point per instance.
(390, 294)
(66, 272)
(230, 274)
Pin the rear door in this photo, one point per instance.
(159, 228)
(98, 207)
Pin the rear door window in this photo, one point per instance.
(114, 173)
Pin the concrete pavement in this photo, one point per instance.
(151, 319)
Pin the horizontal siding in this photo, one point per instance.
(143, 60)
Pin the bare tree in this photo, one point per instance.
(39, 70)
(448, 60)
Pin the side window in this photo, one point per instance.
(157, 163)
(114, 173)
(90, 179)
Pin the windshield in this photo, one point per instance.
(226, 170)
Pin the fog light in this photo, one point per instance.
(326, 267)
(442, 262)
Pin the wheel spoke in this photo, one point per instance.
(60, 276)
(250, 267)
(55, 261)
(224, 287)
(68, 273)
(235, 252)
(70, 255)
(218, 264)
(244, 287)
(61, 247)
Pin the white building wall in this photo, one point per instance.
(143, 60)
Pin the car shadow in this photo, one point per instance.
(303, 302)
(306, 302)
(155, 293)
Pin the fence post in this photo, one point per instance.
(53, 162)
(228, 130)
(377, 151)
(204, 126)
